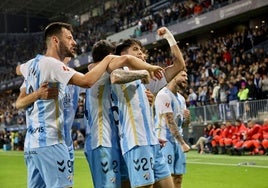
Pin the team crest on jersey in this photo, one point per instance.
(70, 178)
(167, 104)
(113, 179)
(65, 68)
(146, 176)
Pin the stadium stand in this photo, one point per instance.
(235, 51)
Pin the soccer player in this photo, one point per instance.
(44, 143)
(139, 145)
(135, 48)
(70, 104)
(137, 137)
(45, 118)
(169, 110)
(102, 142)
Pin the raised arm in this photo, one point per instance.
(178, 62)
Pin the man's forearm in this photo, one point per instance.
(173, 127)
(25, 100)
(120, 76)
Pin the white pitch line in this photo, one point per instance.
(224, 164)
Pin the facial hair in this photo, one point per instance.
(66, 52)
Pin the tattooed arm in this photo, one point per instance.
(120, 76)
(173, 127)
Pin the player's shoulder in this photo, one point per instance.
(50, 60)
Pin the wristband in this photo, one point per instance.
(170, 38)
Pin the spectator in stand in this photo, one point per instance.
(252, 90)
(263, 68)
(232, 98)
(198, 9)
(192, 97)
(226, 55)
(223, 97)
(215, 93)
(243, 92)
(264, 88)
(199, 96)
(257, 81)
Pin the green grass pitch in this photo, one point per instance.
(203, 171)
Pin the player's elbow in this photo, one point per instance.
(18, 105)
(125, 59)
(87, 84)
(18, 72)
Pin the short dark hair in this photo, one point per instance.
(125, 45)
(101, 49)
(54, 28)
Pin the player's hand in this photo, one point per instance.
(186, 113)
(156, 72)
(46, 92)
(161, 31)
(165, 33)
(150, 96)
(162, 142)
(185, 147)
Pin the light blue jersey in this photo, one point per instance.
(183, 107)
(165, 102)
(134, 114)
(168, 102)
(45, 118)
(101, 129)
(102, 142)
(70, 103)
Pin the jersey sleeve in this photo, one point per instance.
(156, 85)
(23, 85)
(57, 71)
(163, 103)
(24, 68)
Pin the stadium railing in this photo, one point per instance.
(255, 109)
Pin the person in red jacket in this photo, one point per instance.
(218, 134)
(264, 142)
(238, 136)
(252, 138)
(225, 138)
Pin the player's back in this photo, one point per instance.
(101, 129)
(134, 115)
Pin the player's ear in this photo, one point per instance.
(55, 39)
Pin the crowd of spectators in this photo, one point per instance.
(17, 48)
(218, 69)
